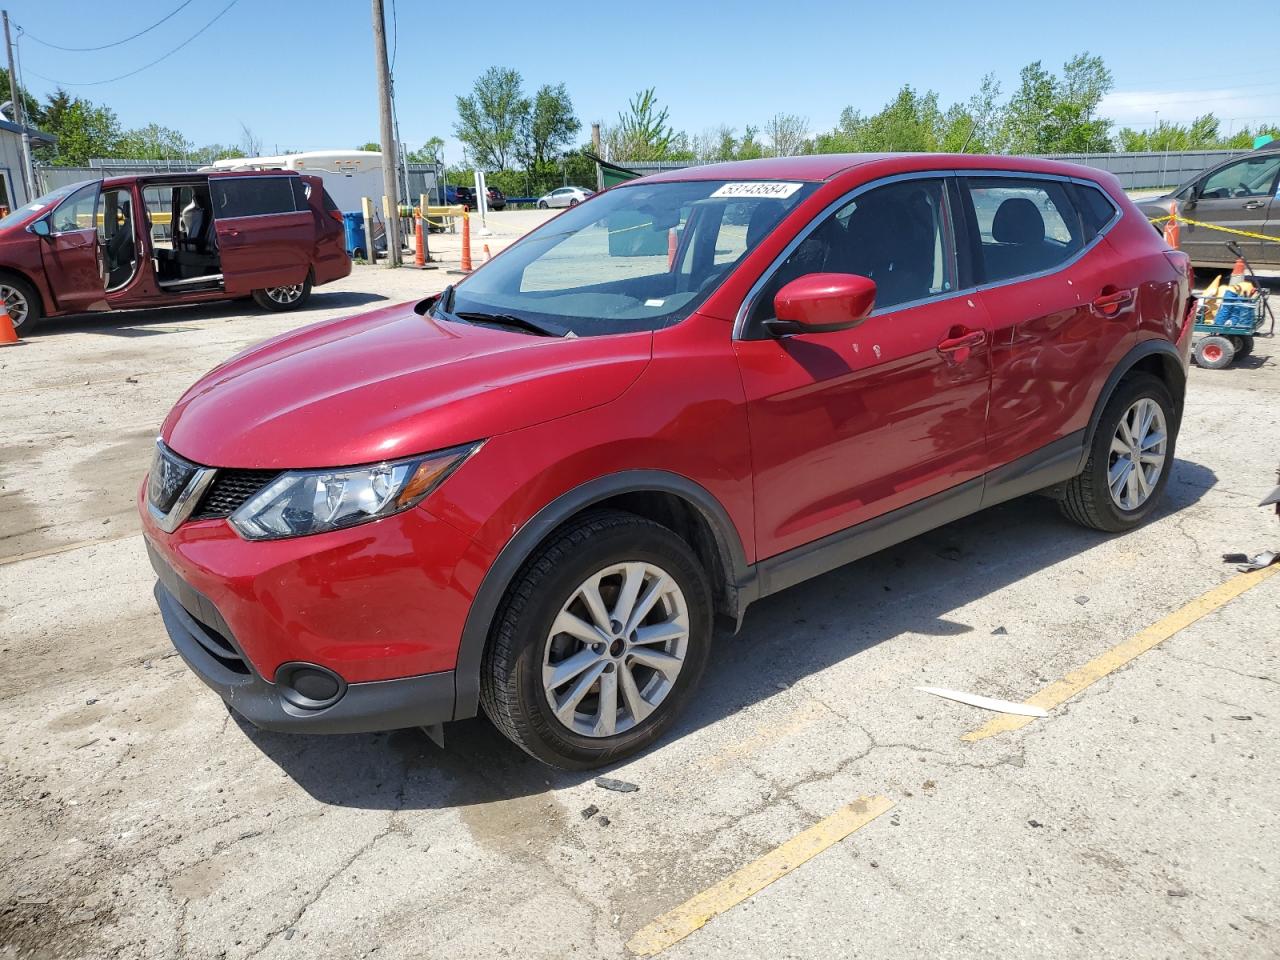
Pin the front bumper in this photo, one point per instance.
(205, 642)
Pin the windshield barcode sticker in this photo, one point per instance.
(758, 188)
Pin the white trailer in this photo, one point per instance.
(348, 175)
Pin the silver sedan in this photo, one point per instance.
(564, 197)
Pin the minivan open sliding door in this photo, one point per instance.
(265, 230)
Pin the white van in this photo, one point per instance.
(348, 175)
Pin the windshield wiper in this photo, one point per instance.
(511, 320)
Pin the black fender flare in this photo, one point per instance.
(475, 632)
(1147, 348)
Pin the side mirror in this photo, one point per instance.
(41, 227)
(822, 302)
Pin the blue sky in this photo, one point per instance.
(300, 74)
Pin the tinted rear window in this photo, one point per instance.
(252, 196)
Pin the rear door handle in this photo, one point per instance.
(1109, 304)
(974, 338)
(1254, 205)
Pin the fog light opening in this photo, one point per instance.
(309, 686)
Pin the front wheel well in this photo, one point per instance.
(689, 523)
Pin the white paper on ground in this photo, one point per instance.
(986, 703)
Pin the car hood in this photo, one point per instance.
(391, 383)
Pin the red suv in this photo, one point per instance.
(532, 493)
(170, 239)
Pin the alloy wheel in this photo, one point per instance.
(1138, 451)
(615, 649)
(285, 295)
(15, 302)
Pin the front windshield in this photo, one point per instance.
(634, 258)
(49, 200)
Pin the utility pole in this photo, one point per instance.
(595, 148)
(390, 168)
(15, 94)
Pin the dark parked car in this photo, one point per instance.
(532, 494)
(1240, 193)
(168, 239)
(497, 199)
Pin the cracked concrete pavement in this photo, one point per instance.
(140, 819)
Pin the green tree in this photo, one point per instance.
(30, 105)
(490, 119)
(85, 130)
(1050, 114)
(373, 146)
(429, 152)
(154, 142)
(643, 133)
(549, 127)
(787, 134)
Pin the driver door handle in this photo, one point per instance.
(974, 338)
(1254, 205)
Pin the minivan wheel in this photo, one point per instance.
(600, 642)
(22, 302)
(1130, 459)
(289, 297)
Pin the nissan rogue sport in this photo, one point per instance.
(532, 493)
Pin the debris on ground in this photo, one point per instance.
(999, 632)
(1247, 564)
(985, 703)
(618, 786)
(589, 812)
(1082, 600)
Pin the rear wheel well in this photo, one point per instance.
(1167, 370)
(687, 522)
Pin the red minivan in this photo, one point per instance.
(167, 239)
(532, 494)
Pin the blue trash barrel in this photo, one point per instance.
(353, 229)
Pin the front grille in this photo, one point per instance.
(231, 488)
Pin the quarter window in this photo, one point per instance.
(898, 235)
(1096, 209)
(1024, 226)
(251, 196)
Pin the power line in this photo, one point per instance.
(395, 39)
(148, 66)
(107, 46)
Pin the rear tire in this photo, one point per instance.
(22, 302)
(542, 205)
(1244, 347)
(1214, 353)
(597, 555)
(280, 299)
(1091, 499)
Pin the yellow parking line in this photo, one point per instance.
(677, 924)
(1093, 671)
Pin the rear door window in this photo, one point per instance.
(252, 196)
(1024, 227)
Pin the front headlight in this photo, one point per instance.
(316, 501)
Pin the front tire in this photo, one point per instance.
(600, 642)
(280, 299)
(1129, 461)
(22, 302)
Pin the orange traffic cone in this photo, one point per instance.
(1237, 272)
(673, 245)
(1172, 233)
(419, 247)
(465, 266)
(8, 335)
(487, 255)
